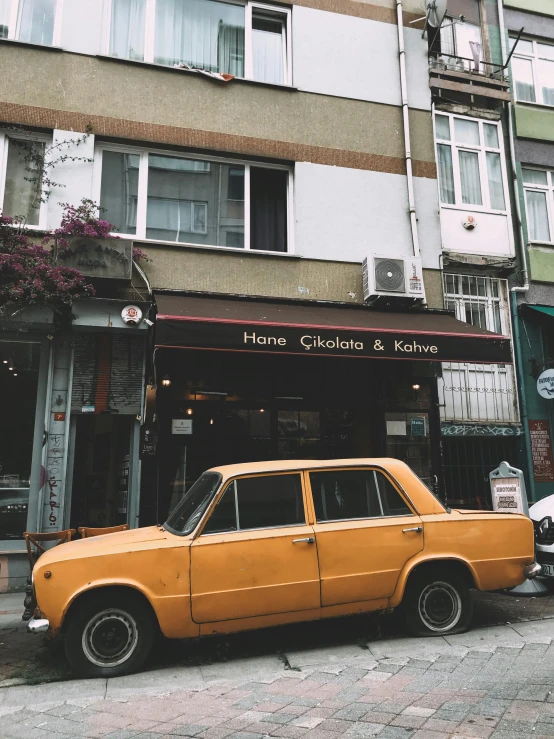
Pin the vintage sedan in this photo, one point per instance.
(269, 543)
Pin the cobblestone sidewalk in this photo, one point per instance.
(501, 692)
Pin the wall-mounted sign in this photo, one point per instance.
(149, 442)
(131, 314)
(88, 409)
(541, 451)
(181, 426)
(545, 384)
(417, 427)
(105, 258)
(59, 416)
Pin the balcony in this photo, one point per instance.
(450, 74)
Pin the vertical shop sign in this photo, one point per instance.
(123, 484)
(541, 451)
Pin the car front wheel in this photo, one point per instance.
(437, 602)
(109, 634)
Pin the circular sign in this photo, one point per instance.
(545, 384)
(131, 314)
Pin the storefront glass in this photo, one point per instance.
(19, 370)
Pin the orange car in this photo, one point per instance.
(256, 545)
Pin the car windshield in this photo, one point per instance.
(190, 509)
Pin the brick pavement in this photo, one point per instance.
(489, 692)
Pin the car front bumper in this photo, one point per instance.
(38, 625)
(532, 570)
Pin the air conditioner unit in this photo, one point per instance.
(392, 278)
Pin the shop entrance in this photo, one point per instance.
(101, 466)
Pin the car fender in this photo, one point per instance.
(422, 558)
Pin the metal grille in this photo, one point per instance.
(467, 464)
(471, 392)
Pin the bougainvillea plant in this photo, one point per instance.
(29, 274)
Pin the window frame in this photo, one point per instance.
(142, 194)
(548, 189)
(395, 484)
(14, 27)
(5, 137)
(274, 11)
(219, 496)
(463, 300)
(481, 149)
(534, 59)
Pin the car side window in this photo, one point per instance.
(262, 502)
(349, 494)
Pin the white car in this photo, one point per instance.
(542, 514)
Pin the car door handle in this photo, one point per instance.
(307, 540)
(418, 529)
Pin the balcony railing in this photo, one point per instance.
(448, 72)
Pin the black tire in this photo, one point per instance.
(437, 602)
(109, 634)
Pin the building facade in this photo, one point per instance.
(278, 164)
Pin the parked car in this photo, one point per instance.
(542, 515)
(269, 543)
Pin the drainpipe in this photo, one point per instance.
(406, 120)
(525, 272)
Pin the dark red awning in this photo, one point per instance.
(323, 330)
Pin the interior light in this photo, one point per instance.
(166, 381)
(416, 387)
(10, 369)
(15, 374)
(5, 361)
(262, 410)
(189, 411)
(211, 421)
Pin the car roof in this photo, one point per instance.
(229, 470)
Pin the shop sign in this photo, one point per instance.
(545, 384)
(508, 490)
(105, 258)
(181, 426)
(149, 443)
(331, 342)
(541, 451)
(88, 409)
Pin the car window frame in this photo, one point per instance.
(374, 468)
(306, 501)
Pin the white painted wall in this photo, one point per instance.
(75, 176)
(341, 55)
(346, 214)
(82, 25)
(491, 235)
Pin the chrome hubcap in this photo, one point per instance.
(440, 606)
(110, 638)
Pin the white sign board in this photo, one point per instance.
(181, 425)
(506, 495)
(545, 384)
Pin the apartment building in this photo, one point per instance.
(277, 164)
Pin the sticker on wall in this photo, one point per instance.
(469, 222)
(545, 384)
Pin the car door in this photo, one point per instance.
(255, 555)
(365, 531)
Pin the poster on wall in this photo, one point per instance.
(541, 451)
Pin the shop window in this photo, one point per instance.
(538, 185)
(351, 494)
(194, 201)
(533, 71)
(22, 191)
(32, 21)
(471, 165)
(263, 502)
(19, 370)
(242, 40)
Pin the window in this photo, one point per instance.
(246, 40)
(258, 503)
(195, 201)
(461, 40)
(538, 185)
(22, 192)
(470, 158)
(533, 72)
(32, 21)
(480, 301)
(350, 494)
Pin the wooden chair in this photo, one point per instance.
(35, 539)
(87, 531)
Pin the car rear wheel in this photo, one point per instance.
(109, 634)
(437, 602)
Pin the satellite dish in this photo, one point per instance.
(436, 10)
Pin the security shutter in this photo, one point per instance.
(108, 374)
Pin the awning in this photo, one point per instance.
(323, 330)
(546, 309)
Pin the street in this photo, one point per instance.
(359, 677)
